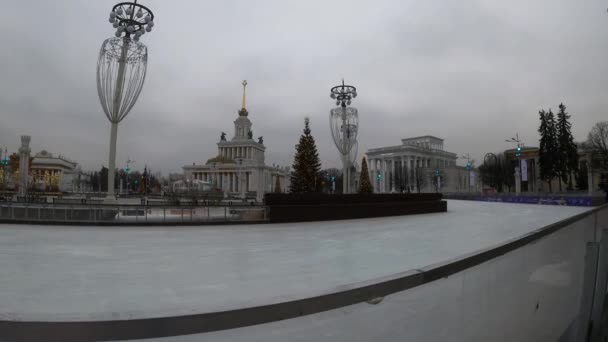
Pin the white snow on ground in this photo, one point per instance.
(64, 273)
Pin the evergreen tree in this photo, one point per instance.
(365, 187)
(567, 161)
(306, 176)
(548, 150)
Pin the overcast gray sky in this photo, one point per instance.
(472, 72)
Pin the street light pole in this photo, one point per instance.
(121, 70)
(344, 124)
(518, 150)
(469, 167)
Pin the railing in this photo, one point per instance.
(547, 285)
(120, 214)
(572, 199)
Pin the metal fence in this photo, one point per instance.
(120, 214)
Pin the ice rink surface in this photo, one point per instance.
(57, 273)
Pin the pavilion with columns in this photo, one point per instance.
(239, 168)
(419, 163)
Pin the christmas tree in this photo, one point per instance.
(365, 187)
(306, 176)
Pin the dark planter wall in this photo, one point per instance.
(320, 198)
(322, 207)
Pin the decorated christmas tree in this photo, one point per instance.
(306, 176)
(365, 187)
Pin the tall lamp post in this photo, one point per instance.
(344, 125)
(518, 149)
(127, 169)
(121, 70)
(469, 167)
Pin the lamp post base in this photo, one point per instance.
(110, 200)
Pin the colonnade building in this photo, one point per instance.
(419, 164)
(239, 168)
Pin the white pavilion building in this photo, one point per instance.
(419, 163)
(239, 168)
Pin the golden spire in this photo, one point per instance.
(244, 85)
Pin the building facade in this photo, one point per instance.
(239, 168)
(58, 173)
(529, 166)
(419, 164)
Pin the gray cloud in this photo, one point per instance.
(473, 72)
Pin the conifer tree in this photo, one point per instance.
(548, 149)
(306, 176)
(365, 187)
(567, 161)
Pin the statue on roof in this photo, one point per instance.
(223, 136)
(261, 140)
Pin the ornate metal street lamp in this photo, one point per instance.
(121, 69)
(344, 125)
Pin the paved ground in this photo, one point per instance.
(89, 273)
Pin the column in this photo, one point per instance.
(372, 165)
(226, 177)
(387, 182)
(403, 171)
(24, 157)
(260, 184)
(408, 171)
(237, 182)
(382, 175)
(392, 179)
(416, 169)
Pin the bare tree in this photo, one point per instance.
(597, 141)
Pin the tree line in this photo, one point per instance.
(558, 155)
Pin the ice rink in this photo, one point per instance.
(56, 273)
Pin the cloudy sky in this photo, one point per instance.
(472, 72)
